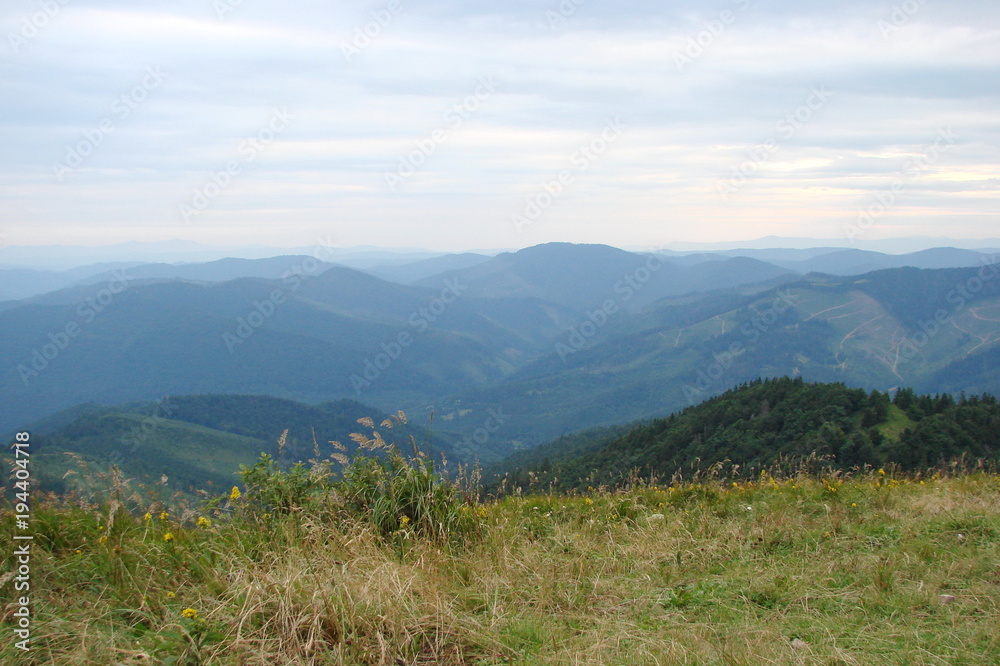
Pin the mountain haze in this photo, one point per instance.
(555, 338)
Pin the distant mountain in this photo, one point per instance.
(417, 270)
(18, 283)
(543, 342)
(221, 270)
(857, 262)
(339, 334)
(368, 257)
(64, 257)
(583, 277)
(781, 256)
(773, 422)
(21, 284)
(878, 330)
(889, 245)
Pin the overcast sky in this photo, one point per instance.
(458, 125)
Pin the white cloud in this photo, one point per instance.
(356, 118)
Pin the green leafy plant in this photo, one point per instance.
(269, 489)
(399, 493)
(185, 642)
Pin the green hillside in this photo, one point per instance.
(773, 422)
(201, 441)
(189, 456)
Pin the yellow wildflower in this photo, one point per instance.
(147, 516)
(203, 521)
(190, 613)
(234, 494)
(170, 595)
(168, 537)
(163, 515)
(588, 501)
(404, 521)
(881, 471)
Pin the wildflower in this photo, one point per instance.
(168, 537)
(481, 512)
(103, 539)
(170, 595)
(854, 504)
(146, 517)
(735, 485)
(190, 613)
(404, 521)
(204, 522)
(588, 501)
(234, 494)
(881, 471)
(163, 515)
(77, 551)
(266, 516)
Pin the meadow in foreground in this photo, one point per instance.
(389, 564)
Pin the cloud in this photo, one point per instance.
(562, 70)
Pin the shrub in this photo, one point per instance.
(398, 495)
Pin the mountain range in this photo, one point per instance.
(555, 338)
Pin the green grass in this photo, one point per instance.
(705, 572)
(896, 422)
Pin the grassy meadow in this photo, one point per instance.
(388, 564)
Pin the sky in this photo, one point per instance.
(462, 125)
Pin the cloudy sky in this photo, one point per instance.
(459, 125)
